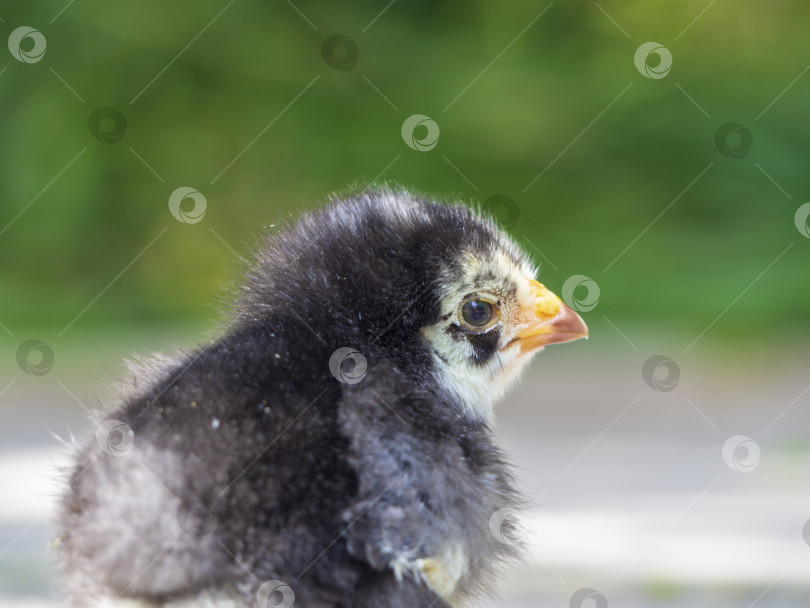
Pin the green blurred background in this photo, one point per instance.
(219, 73)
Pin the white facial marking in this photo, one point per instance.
(499, 278)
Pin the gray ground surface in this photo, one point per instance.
(631, 495)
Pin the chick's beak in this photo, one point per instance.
(545, 319)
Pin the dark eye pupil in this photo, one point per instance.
(477, 312)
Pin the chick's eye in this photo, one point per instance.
(477, 313)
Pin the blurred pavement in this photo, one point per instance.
(632, 496)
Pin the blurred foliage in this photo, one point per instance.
(201, 85)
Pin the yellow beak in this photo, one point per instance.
(545, 319)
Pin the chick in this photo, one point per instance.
(333, 448)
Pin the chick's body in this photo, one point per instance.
(247, 472)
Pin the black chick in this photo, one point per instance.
(333, 448)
